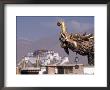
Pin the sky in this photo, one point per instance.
(37, 27)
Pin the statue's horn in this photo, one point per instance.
(62, 26)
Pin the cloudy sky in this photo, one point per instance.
(37, 32)
(34, 28)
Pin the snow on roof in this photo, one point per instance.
(32, 60)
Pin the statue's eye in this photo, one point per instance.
(58, 24)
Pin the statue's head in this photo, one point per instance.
(62, 25)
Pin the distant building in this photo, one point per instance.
(64, 60)
(49, 62)
(18, 70)
(65, 69)
(30, 70)
(89, 70)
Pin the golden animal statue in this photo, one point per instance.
(81, 44)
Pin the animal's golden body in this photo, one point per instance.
(81, 44)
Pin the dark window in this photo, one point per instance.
(60, 70)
